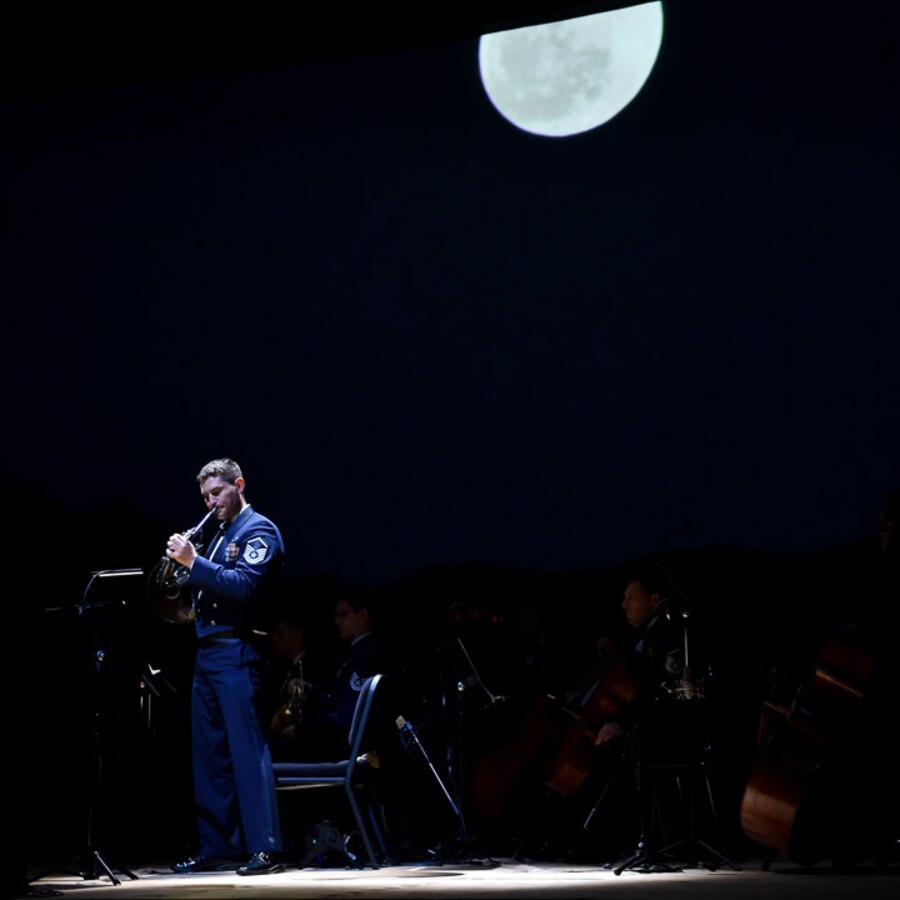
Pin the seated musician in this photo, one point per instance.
(321, 733)
(293, 677)
(657, 651)
(591, 810)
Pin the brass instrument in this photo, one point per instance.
(291, 713)
(166, 580)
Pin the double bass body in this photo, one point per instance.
(803, 798)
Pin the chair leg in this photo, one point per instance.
(376, 819)
(363, 830)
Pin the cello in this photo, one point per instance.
(497, 776)
(575, 754)
(656, 665)
(554, 739)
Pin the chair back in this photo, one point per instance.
(362, 714)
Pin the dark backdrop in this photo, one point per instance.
(458, 362)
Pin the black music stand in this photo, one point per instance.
(687, 773)
(89, 863)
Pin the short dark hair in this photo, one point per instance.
(221, 468)
(651, 580)
(360, 597)
(293, 616)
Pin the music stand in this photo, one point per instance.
(90, 863)
(689, 772)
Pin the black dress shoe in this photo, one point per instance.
(261, 863)
(203, 864)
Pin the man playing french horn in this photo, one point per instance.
(230, 586)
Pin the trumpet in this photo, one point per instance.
(168, 578)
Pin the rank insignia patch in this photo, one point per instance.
(673, 663)
(255, 551)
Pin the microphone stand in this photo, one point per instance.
(407, 729)
(454, 764)
(687, 526)
(462, 685)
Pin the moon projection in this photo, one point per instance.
(568, 77)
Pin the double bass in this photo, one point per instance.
(801, 799)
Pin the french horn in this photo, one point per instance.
(291, 712)
(166, 582)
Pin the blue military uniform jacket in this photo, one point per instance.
(244, 563)
(363, 658)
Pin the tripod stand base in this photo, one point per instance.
(668, 859)
(89, 865)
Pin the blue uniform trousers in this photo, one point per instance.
(234, 787)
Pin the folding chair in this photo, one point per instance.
(354, 774)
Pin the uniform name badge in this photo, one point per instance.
(232, 552)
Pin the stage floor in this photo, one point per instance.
(498, 878)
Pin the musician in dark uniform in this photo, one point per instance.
(293, 676)
(322, 733)
(591, 810)
(234, 786)
(658, 659)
